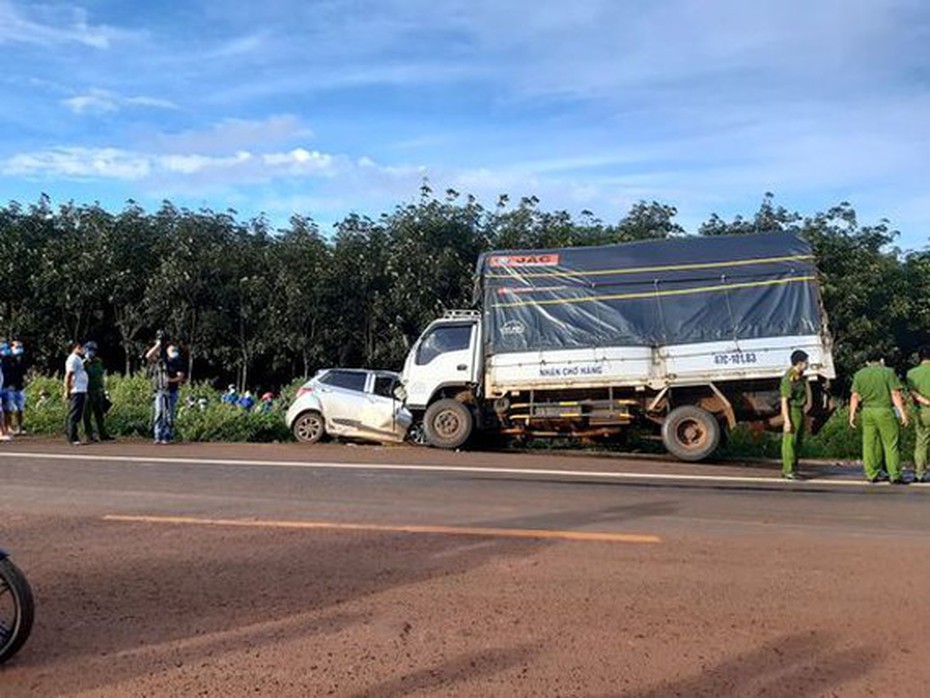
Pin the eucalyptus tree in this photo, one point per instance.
(69, 286)
(131, 258)
(355, 294)
(183, 294)
(430, 263)
(23, 234)
(299, 261)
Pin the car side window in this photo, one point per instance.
(443, 340)
(384, 386)
(348, 380)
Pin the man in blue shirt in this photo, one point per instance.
(14, 399)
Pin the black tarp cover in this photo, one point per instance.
(652, 293)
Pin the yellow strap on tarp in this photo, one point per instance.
(659, 294)
(646, 270)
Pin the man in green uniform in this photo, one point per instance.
(96, 394)
(795, 393)
(877, 389)
(918, 383)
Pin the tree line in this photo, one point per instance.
(256, 305)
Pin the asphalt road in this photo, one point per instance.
(363, 571)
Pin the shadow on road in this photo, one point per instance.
(439, 679)
(578, 519)
(117, 600)
(796, 665)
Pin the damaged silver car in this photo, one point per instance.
(349, 403)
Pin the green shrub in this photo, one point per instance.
(834, 441)
(131, 414)
(227, 423)
(45, 406)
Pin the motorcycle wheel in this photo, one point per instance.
(17, 609)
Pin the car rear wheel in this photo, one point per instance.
(690, 433)
(309, 428)
(448, 423)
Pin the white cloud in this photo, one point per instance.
(235, 134)
(98, 101)
(184, 170)
(79, 163)
(50, 25)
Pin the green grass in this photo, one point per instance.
(131, 414)
(835, 441)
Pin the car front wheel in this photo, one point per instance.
(308, 428)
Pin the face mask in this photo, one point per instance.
(17, 351)
(90, 353)
(173, 354)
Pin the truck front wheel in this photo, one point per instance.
(690, 433)
(448, 423)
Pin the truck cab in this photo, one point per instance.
(444, 367)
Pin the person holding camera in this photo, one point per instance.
(167, 376)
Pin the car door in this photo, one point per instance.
(379, 413)
(342, 394)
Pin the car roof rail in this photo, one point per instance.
(460, 314)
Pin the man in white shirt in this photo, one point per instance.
(75, 391)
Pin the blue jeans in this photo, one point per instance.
(166, 404)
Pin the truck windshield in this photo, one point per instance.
(442, 340)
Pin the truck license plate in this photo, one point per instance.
(735, 358)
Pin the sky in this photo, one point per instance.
(328, 107)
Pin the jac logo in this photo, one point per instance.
(525, 260)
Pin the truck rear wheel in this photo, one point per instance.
(448, 423)
(690, 433)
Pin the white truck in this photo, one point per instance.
(688, 336)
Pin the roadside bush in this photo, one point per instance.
(834, 441)
(45, 406)
(131, 414)
(227, 423)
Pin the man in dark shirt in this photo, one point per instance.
(96, 406)
(167, 376)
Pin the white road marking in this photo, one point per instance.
(474, 470)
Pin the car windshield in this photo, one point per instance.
(441, 340)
